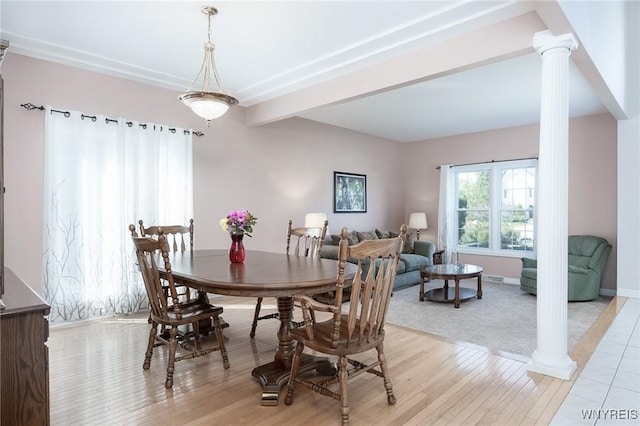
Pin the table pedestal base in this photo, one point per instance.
(273, 376)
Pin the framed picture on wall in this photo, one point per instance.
(349, 193)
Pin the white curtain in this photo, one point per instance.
(446, 210)
(100, 176)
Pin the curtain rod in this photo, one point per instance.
(93, 118)
(492, 161)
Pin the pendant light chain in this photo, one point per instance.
(216, 76)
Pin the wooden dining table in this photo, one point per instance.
(263, 274)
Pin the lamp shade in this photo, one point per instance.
(315, 220)
(418, 220)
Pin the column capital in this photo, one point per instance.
(545, 40)
(4, 45)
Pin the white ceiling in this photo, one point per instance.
(266, 50)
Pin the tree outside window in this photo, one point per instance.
(473, 209)
(496, 206)
(516, 209)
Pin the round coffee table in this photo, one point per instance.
(446, 272)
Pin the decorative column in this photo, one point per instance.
(550, 356)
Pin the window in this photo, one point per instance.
(495, 207)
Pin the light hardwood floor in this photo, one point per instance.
(96, 378)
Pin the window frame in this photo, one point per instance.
(495, 207)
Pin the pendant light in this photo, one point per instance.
(206, 101)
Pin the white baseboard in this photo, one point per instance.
(630, 293)
(500, 279)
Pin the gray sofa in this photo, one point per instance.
(416, 254)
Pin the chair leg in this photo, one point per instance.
(391, 398)
(343, 378)
(163, 328)
(152, 340)
(220, 337)
(173, 343)
(295, 365)
(255, 318)
(197, 337)
(312, 315)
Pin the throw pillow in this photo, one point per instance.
(370, 235)
(408, 244)
(352, 239)
(383, 234)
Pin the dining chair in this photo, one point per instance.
(174, 314)
(355, 331)
(307, 242)
(179, 239)
(176, 235)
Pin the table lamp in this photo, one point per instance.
(418, 221)
(315, 220)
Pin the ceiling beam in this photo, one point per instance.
(507, 39)
(555, 19)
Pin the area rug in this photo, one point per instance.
(503, 320)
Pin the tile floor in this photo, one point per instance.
(607, 392)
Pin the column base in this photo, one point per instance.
(563, 369)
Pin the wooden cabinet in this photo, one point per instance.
(3, 47)
(24, 356)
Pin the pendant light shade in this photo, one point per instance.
(208, 105)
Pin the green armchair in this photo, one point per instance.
(588, 256)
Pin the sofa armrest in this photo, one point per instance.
(600, 257)
(424, 248)
(329, 252)
(578, 270)
(527, 262)
(328, 241)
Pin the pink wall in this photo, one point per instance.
(284, 169)
(279, 171)
(592, 180)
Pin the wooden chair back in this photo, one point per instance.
(178, 236)
(307, 240)
(147, 251)
(307, 243)
(351, 332)
(371, 289)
